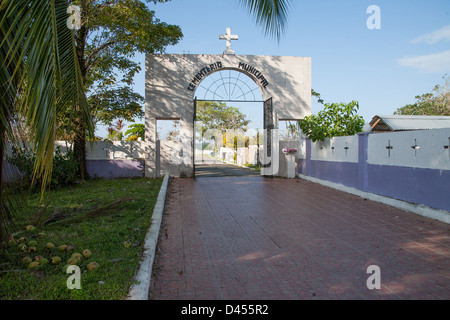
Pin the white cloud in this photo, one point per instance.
(435, 36)
(434, 63)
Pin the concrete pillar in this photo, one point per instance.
(363, 141)
(150, 148)
(308, 157)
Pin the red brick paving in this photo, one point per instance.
(254, 238)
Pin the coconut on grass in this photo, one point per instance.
(73, 261)
(93, 266)
(30, 228)
(32, 243)
(43, 261)
(50, 246)
(87, 253)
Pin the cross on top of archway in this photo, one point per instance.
(228, 37)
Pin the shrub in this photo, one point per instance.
(336, 119)
(65, 167)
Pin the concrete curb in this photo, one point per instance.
(440, 215)
(139, 291)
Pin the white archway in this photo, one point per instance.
(234, 88)
(229, 85)
(171, 84)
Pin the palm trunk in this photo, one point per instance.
(2, 201)
(79, 145)
(79, 148)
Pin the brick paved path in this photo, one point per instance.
(236, 238)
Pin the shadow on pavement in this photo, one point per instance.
(223, 170)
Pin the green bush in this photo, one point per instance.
(336, 119)
(64, 172)
(65, 168)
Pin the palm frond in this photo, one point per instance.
(270, 14)
(52, 78)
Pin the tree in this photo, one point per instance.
(219, 116)
(116, 103)
(135, 131)
(174, 134)
(336, 119)
(111, 32)
(432, 104)
(115, 133)
(290, 132)
(317, 96)
(39, 77)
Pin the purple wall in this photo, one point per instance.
(422, 186)
(116, 168)
(302, 166)
(107, 169)
(9, 172)
(430, 187)
(345, 173)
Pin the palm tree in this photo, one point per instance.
(270, 14)
(39, 77)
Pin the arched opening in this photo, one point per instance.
(229, 126)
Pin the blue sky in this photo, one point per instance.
(383, 69)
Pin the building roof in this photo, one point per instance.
(410, 122)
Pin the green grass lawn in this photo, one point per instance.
(108, 217)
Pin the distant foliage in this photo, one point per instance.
(220, 116)
(436, 103)
(336, 119)
(135, 131)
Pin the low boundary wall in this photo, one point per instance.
(412, 166)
